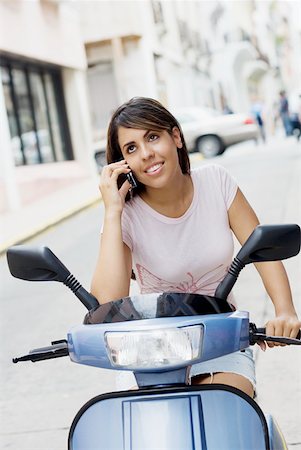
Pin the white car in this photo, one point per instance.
(99, 151)
(210, 132)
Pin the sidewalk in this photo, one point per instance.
(46, 201)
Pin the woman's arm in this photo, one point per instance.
(243, 220)
(112, 275)
(111, 279)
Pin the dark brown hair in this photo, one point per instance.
(145, 114)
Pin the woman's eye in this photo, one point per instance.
(153, 137)
(131, 148)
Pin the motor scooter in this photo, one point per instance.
(159, 337)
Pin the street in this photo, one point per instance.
(39, 401)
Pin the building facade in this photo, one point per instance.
(147, 48)
(45, 121)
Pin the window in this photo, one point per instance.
(36, 113)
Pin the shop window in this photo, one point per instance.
(36, 113)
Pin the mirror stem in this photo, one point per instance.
(84, 296)
(225, 286)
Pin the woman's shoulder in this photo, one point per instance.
(130, 204)
(131, 208)
(215, 178)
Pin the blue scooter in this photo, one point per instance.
(159, 337)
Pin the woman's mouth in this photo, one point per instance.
(154, 169)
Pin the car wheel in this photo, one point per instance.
(210, 146)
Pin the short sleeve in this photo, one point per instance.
(228, 186)
(126, 230)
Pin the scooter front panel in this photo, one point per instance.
(192, 418)
(140, 423)
(157, 424)
(231, 422)
(277, 441)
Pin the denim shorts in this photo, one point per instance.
(240, 363)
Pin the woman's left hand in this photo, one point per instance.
(286, 325)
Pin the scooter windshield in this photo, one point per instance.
(151, 306)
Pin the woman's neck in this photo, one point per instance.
(172, 200)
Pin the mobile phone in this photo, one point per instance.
(131, 179)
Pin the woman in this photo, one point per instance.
(174, 230)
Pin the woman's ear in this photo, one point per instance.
(177, 137)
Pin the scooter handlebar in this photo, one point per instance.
(259, 334)
(57, 349)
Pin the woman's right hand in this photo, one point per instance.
(114, 198)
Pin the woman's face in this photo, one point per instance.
(151, 154)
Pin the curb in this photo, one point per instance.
(48, 224)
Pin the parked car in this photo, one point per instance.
(99, 151)
(210, 132)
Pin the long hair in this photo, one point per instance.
(145, 114)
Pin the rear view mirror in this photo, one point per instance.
(271, 243)
(266, 243)
(35, 264)
(40, 264)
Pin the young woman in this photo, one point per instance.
(174, 230)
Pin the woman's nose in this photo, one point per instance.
(146, 151)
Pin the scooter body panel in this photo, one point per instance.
(190, 418)
(223, 334)
(277, 441)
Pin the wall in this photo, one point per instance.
(45, 31)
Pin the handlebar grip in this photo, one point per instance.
(263, 331)
(57, 349)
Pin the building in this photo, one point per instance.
(45, 123)
(254, 47)
(148, 48)
(65, 66)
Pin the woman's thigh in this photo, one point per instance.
(230, 379)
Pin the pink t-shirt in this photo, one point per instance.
(187, 254)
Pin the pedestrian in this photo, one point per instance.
(257, 113)
(175, 229)
(284, 113)
(227, 109)
(295, 116)
(296, 125)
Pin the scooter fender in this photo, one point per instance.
(192, 418)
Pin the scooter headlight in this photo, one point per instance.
(147, 349)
